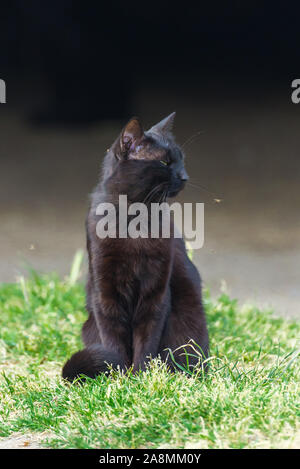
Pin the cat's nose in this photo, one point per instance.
(183, 175)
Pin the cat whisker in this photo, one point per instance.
(193, 138)
(150, 195)
(153, 192)
(163, 195)
(200, 187)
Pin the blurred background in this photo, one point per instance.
(77, 71)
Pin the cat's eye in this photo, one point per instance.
(165, 163)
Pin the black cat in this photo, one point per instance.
(144, 294)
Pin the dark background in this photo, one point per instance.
(76, 71)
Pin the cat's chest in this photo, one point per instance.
(133, 274)
(132, 271)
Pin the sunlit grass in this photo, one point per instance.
(249, 399)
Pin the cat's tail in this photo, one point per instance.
(90, 362)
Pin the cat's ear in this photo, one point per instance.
(130, 137)
(165, 125)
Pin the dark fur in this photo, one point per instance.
(143, 295)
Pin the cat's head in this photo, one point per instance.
(152, 157)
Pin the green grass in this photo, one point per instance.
(249, 399)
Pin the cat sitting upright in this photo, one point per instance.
(143, 295)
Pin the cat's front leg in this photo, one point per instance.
(115, 334)
(147, 333)
(112, 320)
